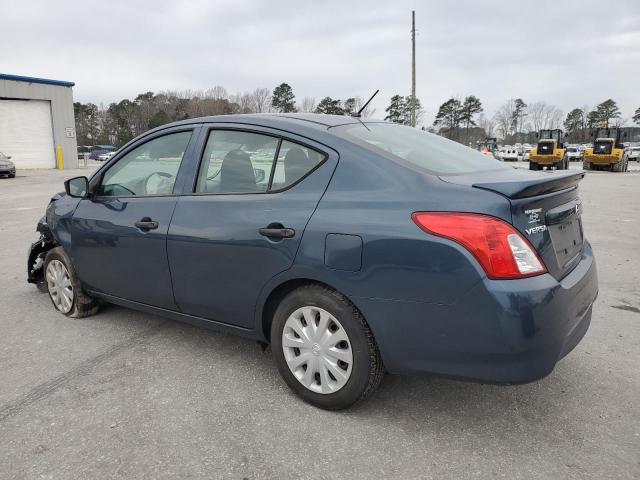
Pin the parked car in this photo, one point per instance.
(574, 154)
(526, 152)
(511, 153)
(634, 153)
(103, 157)
(365, 247)
(98, 150)
(7, 167)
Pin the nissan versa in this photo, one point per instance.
(352, 247)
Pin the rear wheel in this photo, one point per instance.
(64, 288)
(618, 167)
(586, 165)
(324, 348)
(534, 166)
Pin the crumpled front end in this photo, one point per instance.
(37, 252)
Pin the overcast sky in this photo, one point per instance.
(567, 53)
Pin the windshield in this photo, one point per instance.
(421, 149)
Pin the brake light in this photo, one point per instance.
(501, 250)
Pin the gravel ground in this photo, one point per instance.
(125, 394)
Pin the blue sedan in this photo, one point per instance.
(352, 247)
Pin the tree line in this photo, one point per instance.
(121, 121)
(516, 121)
(462, 120)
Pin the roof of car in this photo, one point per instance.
(309, 119)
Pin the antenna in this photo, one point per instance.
(413, 68)
(358, 114)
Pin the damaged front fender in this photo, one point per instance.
(37, 252)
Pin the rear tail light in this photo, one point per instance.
(501, 250)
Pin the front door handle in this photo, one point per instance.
(277, 232)
(146, 224)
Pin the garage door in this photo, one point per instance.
(26, 133)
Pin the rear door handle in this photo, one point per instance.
(146, 224)
(277, 232)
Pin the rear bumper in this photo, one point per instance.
(602, 159)
(545, 159)
(511, 331)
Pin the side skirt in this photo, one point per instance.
(178, 316)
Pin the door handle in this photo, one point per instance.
(146, 224)
(277, 232)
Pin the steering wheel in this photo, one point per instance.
(159, 182)
(211, 177)
(115, 187)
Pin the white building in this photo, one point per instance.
(37, 122)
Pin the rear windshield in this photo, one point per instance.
(421, 149)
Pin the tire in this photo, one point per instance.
(534, 166)
(618, 167)
(12, 175)
(361, 369)
(586, 165)
(64, 288)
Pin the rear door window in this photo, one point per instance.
(294, 162)
(236, 162)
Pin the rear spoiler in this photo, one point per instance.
(522, 188)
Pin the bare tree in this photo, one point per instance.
(308, 105)
(503, 119)
(261, 100)
(217, 93)
(555, 117)
(488, 125)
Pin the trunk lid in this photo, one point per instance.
(545, 208)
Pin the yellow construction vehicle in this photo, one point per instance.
(488, 147)
(549, 152)
(607, 151)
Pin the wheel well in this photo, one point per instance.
(35, 262)
(277, 295)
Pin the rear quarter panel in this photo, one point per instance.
(373, 198)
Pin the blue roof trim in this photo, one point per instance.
(46, 81)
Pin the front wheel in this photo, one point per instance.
(324, 348)
(64, 288)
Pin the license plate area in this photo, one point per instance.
(567, 238)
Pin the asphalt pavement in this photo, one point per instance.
(125, 394)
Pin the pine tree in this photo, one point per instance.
(471, 107)
(283, 98)
(396, 111)
(575, 122)
(607, 111)
(449, 116)
(329, 106)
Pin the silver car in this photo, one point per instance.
(7, 167)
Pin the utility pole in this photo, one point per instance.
(413, 68)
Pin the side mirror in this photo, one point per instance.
(77, 187)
